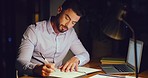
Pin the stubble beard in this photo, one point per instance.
(60, 27)
(63, 28)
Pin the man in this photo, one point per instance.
(45, 45)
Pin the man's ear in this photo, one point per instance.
(59, 9)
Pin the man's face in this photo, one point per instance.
(66, 20)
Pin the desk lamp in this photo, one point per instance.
(116, 31)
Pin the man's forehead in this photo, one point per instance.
(72, 15)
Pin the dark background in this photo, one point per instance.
(16, 15)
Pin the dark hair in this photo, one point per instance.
(75, 5)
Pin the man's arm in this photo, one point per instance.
(25, 52)
(81, 55)
(79, 51)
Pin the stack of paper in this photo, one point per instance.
(81, 72)
(112, 60)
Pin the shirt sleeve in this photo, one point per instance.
(25, 52)
(78, 49)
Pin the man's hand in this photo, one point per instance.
(70, 65)
(44, 70)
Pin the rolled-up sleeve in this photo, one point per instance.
(25, 52)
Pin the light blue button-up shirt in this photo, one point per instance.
(42, 38)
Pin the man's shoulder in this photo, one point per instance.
(41, 25)
(71, 32)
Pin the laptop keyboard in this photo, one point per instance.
(122, 68)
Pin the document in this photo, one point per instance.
(104, 76)
(107, 76)
(81, 72)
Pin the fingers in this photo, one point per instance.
(74, 67)
(71, 65)
(47, 69)
(63, 68)
(44, 73)
(51, 66)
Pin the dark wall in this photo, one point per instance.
(97, 11)
(96, 42)
(7, 39)
(16, 15)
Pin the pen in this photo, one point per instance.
(44, 58)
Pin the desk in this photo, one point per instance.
(95, 64)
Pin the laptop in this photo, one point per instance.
(129, 66)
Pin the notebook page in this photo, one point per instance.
(81, 71)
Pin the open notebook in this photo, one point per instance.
(129, 66)
(82, 71)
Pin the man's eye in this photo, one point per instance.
(73, 23)
(66, 18)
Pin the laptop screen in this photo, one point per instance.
(131, 53)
